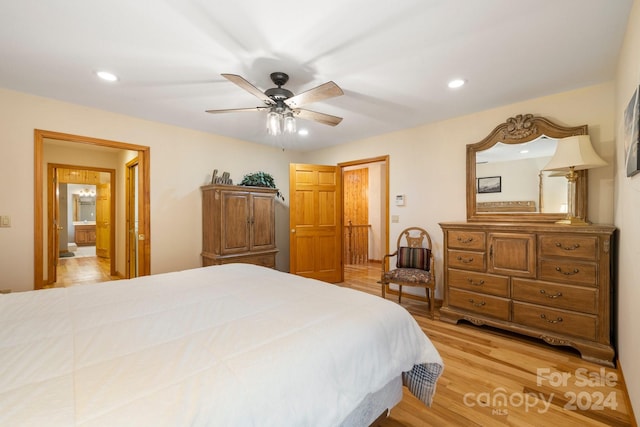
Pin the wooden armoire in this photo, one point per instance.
(238, 225)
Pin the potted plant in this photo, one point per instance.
(261, 179)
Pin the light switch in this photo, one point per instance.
(395, 218)
(5, 221)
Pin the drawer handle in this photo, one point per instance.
(464, 260)
(477, 304)
(568, 273)
(558, 320)
(568, 248)
(480, 283)
(556, 295)
(467, 240)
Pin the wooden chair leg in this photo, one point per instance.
(431, 295)
(384, 290)
(399, 294)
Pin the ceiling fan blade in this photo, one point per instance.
(244, 84)
(237, 110)
(319, 93)
(325, 119)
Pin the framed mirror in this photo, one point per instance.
(505, 180)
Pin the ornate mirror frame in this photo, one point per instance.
(518, 130)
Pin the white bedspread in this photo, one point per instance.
(231, 345)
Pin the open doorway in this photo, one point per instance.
(80, 206)
(90, 149)
(365, 215)
(316, 220)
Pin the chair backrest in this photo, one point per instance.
(414, 237)
(414, 249)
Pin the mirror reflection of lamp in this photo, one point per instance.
(572, 154)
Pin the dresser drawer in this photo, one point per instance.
(580, 273)
(554, 295)
(479, 282)
(560, 322)
(474, 240)
(466, 260)
(579, 247)
(479, 303)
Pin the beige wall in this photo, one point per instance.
(627, 206)
(181, 161)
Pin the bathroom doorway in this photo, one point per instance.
(80, 206)
(89, 150)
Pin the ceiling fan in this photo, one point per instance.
(283, 106)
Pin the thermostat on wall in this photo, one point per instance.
(400, 200)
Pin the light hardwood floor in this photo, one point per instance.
(485, 366)
(83, 269)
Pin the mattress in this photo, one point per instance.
(227, 345)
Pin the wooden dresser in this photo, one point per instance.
(547, 281)
(238, 225)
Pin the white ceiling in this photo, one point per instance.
(392, 59)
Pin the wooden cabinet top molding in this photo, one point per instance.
(243, 188)
(530, 227)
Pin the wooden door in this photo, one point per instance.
(315, 222)
(132, 217)
(54, 229)
(263, 232)
(236, 216)
(103, 220)
(356, 215)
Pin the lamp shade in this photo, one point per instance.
(574, 152)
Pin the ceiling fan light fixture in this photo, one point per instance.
(273, 123)
(282, 106)
(280, 121)
(289, 123)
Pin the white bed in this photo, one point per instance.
(230, 345)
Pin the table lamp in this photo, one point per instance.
(572, 154)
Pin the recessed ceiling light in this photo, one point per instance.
(303, 132)
(105, 75)
(524, 151)
(453, 84)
